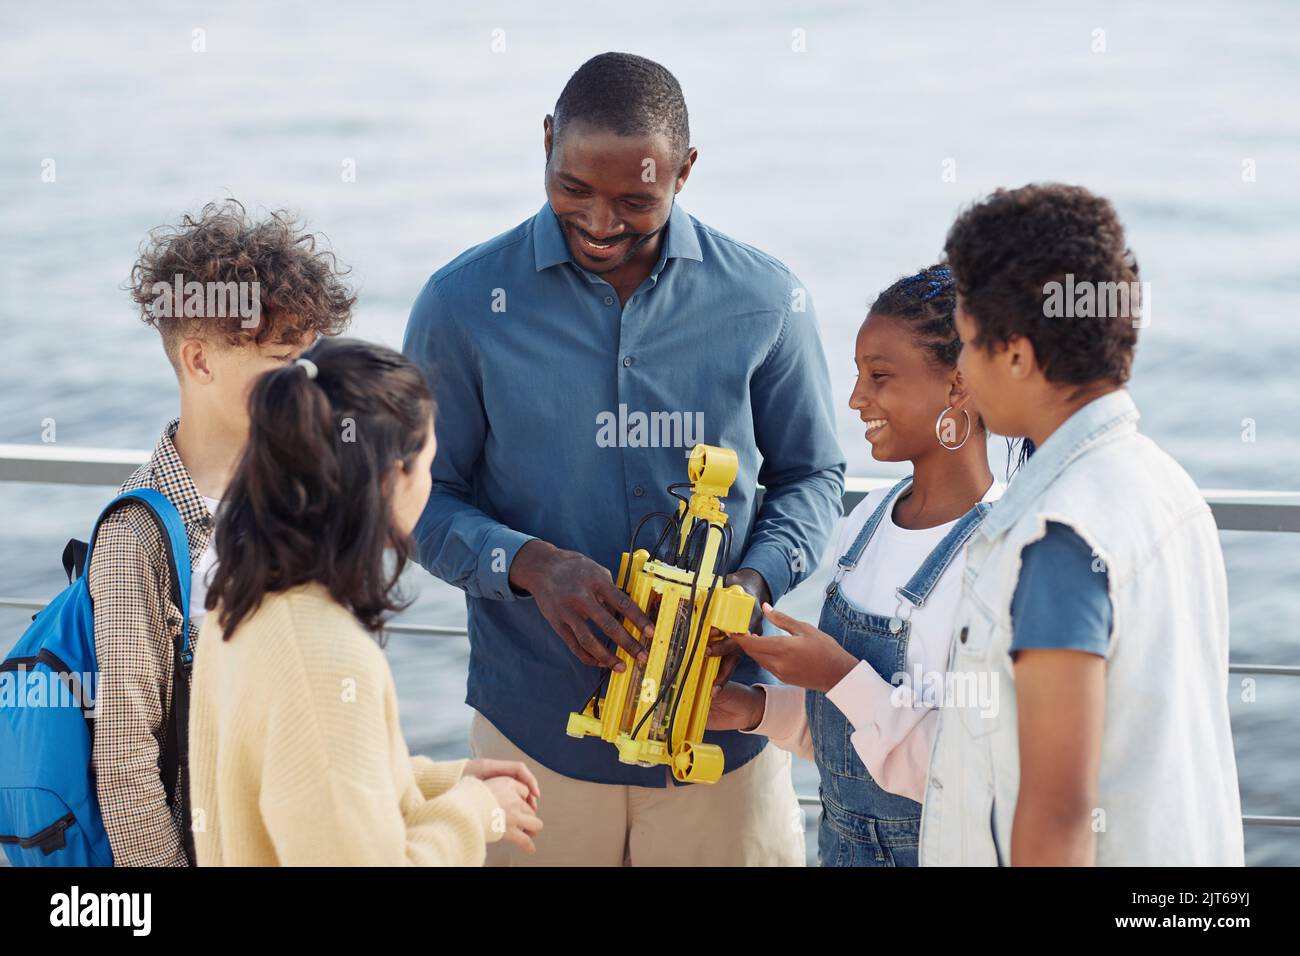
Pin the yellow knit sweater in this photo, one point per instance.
(297, 758)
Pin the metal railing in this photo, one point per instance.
(1234, 510)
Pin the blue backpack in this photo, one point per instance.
(49, 812)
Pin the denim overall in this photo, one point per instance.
(861, 824)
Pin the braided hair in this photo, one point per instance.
(926, 303)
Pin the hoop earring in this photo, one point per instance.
(939, 421)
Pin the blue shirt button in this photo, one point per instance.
(609, 300)
(638, 491)
(627, 361)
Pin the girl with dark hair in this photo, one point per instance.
(296, 754)
(887, 619)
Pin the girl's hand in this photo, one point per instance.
(736, 707)
(486, 769)
(518, 819)
(805, 657)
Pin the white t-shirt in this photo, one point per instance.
(201, 575)
(892, 740)
(888, 562)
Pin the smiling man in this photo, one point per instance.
(612, 298)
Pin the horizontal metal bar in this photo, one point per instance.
(1251, 820)
(1281, 670)
(69, 465)
(1234, 510)
(805, 800)
(421, 630)
(1262, 821)
(436, 630)
(426, 630)
(22, 603)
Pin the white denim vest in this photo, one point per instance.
(1167, 791)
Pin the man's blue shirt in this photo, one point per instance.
(563, 415)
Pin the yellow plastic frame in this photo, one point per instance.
(712, 471)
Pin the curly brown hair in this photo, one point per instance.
(1006, 249)
(300, 287)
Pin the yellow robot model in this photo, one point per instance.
(656, 714)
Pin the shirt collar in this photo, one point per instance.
(1110, 415)
(550, 247)
(172, 478)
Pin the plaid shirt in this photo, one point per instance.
(135, 625)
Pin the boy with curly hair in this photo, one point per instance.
(1094, 613)
(232, 297)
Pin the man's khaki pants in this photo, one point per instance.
(750, 817)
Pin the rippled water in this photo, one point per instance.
(830, 159)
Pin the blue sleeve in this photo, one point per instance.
(455, 540)
(1061, 602)
(803, 468)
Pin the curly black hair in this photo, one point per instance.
(1005, 251)
(628, 95)
(301, 287)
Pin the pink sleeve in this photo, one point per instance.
(785, 721)
(892, 737)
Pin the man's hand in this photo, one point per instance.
(729, 651)
(736, 707)
(572, 590)
(805, 657)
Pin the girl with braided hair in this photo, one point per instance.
(852, 697)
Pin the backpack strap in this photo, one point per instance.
(74, 559)
(175, 751)
(175, 541)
